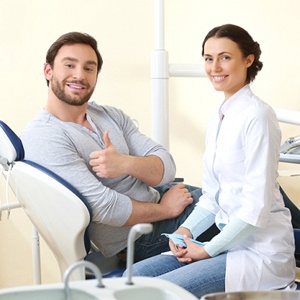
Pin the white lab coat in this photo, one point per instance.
(240, 164)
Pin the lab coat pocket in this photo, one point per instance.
(230, 165)
(232, 156)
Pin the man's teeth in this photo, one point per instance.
(75, 87)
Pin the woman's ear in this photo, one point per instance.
(249, 60)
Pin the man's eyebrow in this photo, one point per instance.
(70, 58)
(89, 62)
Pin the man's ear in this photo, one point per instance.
(47, 71)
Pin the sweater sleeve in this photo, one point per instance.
(198, 221)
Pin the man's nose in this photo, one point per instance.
(78, 73)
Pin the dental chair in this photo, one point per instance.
(57, 210)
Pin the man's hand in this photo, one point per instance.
(171, 205)
(175, 200)
(108, 163)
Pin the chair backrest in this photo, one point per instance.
(57, 210)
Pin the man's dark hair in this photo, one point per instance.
(72, 38)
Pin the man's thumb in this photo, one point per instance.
(106, 139)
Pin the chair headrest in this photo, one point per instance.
(11, 147)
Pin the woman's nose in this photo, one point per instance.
(216, 66)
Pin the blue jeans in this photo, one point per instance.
(199, 278)
(154, 243)
(295, 212)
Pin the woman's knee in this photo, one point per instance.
(154, 266)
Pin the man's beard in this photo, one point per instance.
(59, 92)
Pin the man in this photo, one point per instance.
(99, 150)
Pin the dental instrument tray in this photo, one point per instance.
(289, 151)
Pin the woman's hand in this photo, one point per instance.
(177, 250)
(192, 252)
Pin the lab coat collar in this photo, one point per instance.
(227, 104)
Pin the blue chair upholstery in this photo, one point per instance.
(297, 246)
(297, 250)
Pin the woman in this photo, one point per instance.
(255, 247)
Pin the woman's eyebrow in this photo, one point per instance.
(224, 52)
(219, 54)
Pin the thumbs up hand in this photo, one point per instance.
(107, 163)
(106, 140)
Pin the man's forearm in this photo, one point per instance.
(171, 205)
(145, 213)
(149, 169)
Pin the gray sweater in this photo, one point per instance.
(64, 148)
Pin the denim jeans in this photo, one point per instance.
(154, 243)
(199, 278)
(295, 212)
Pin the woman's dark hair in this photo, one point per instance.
(245, 42)
(72, 38)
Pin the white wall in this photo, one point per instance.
(124, 30)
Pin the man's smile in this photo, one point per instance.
(76, 86)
